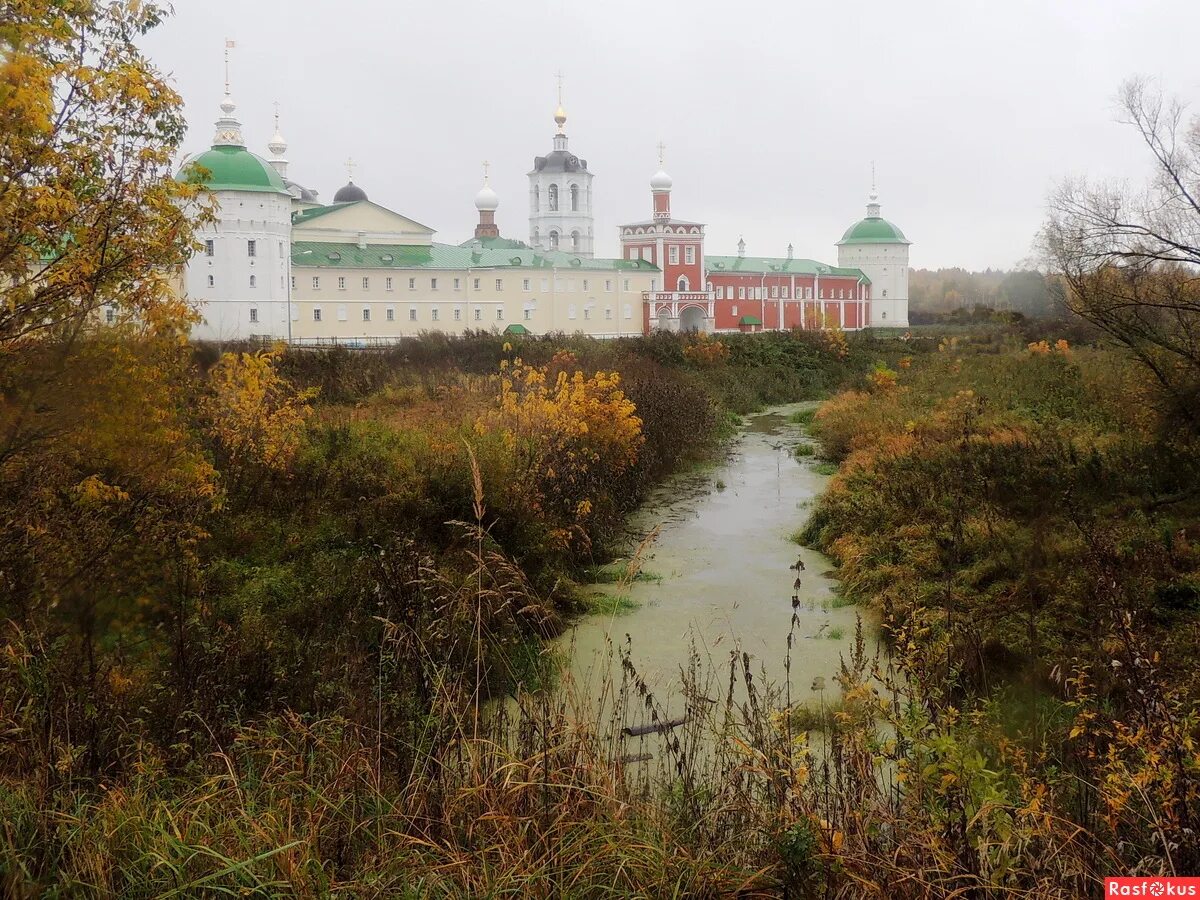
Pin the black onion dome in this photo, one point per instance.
(559, 161)
(349, 194)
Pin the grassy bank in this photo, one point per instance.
(245, 550)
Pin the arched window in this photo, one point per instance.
(574, 198)
(885, 292)
(682, 284)
(253, 281)
(575, 238)
(553, 240)
(553, 198)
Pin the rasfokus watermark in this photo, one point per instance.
(1151, 886)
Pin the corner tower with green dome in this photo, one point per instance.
(240, 279)
(880, 249)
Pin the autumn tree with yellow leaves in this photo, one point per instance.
(571, 436)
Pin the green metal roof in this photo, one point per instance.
(315, 212)
(313, 254)
(516, 328)
(766, 265)
(495, 243)
(873, 230)
(750, 320)
(233, 169)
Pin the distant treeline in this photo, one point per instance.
(936, 293)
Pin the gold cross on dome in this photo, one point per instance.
(486, 166)
(350, 168)
(662, 149)
(559, 76)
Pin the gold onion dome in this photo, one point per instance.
(560, 117)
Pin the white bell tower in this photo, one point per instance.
(560, 196)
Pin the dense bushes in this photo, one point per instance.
(1026, 523)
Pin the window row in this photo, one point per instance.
(782, 293)
(575, 197)
(210, 248)
(567, 285)
(647, 254)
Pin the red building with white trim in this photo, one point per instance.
(736, 293)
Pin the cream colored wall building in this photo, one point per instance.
(391, 280)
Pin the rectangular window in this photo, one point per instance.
(457, 314)
(457, 283)
(110, 315)
(209, 248)
(433, 284)
(632, 253)
(673, 254)
(412, 284)
(587, 313)
(342, 312)
(628, 311)
(720, 293)
(608, 313)
(648, 254)
(412, 314)
(478, 314)
(500, 314)
(391, 314)
(211, 281)
(626, 284)
(741, 293)
(316, 314)
(608, 284)
(366, 283)
(841, 293)
(366, 314)
(784, 292)
(433, 314)
(571, 311)
(293, 282)
(734, 308)
(821, 294)
(585, 285)
(774, 290)
(341, 282)
(251, 249)
(499, 284)
(525, 284)
(528, 314)
(253, 281)
(387, 284)
(253, 315)
(476, 284)
(689, 255)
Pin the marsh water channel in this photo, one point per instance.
(720, 577)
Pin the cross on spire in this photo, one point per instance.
(872, 176)
(662, 149)
(229, 45)
(559, 76)
(350, 168)
(486, 166)
(276, 116)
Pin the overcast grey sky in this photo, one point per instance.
(771, 111)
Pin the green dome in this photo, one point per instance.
(873, 230)
(234, 169)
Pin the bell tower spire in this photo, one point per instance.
(278, 147)
(229, 129)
